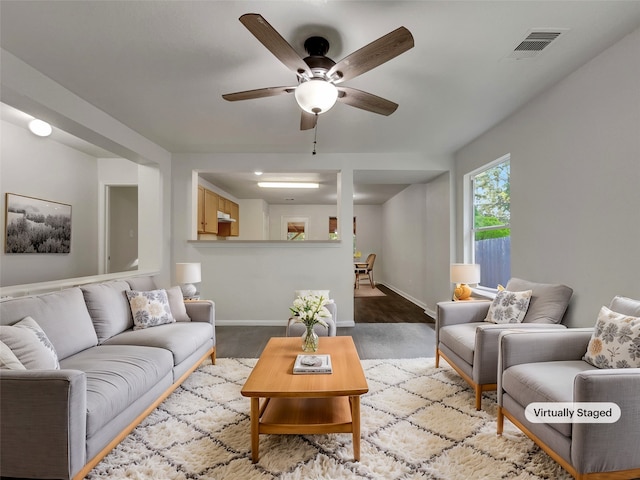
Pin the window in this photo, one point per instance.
(333, 229)
(489, 219)
(295, 228)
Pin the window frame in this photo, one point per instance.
(469, 229)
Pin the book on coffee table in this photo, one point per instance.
(312, 364)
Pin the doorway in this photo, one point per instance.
(122, 228)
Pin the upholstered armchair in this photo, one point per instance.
(470, 344)
(294, 329)
(555, 371)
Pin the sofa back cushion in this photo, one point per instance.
(548, 302)
(63, 316)
(142, 284)
(109, 308)
(625, 306)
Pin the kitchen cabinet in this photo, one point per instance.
(207, 211)
(209, 204)
(230, 228)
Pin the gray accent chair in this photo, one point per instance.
(470, 345)
(554, 371)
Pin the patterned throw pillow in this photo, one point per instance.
(30, 345)
(509, 307)
(615, 342)
(149, 309)
(8, 359)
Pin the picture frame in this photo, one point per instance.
(35, 225)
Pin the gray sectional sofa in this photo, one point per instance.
(59, 423)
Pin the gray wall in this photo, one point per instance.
(575, 181)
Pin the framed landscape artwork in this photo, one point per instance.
(33, 225)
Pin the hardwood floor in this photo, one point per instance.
(392, 308)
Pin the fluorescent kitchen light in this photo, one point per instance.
(288, 185)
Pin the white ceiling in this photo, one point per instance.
(160, 67)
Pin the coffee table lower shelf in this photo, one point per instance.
(305, 416)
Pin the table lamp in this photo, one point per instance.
(462, 274)
(186, 275)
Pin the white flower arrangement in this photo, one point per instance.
(310, 310)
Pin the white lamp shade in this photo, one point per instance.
(316, 95)
(465, 273)
(188, 272)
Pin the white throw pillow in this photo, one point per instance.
(30, 345)
(8, 359)
(176, 304)
(149, 309)
(509, 307)
(615, 342)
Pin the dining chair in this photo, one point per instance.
(365, 269)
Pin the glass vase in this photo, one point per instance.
(309, 340)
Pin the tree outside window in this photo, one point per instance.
(491, 231)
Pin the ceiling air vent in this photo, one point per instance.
(534, 43)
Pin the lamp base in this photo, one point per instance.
(188, 290)
(462, 292)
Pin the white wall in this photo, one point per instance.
(254, 219)
(45, 169)
(575, 177)
(369, 228)
(403, 243)
(253, 282)
(317, 215)
(439, 243)
(28, 90)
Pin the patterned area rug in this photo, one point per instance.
(418, 422)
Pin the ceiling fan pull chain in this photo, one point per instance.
(315, 136)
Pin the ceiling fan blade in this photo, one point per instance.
(308, 120)
(366, 101)
(270, 38)
(258, 93)
(372, 55)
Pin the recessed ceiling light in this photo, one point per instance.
(288, 185)
(257, 172)
(40, 128)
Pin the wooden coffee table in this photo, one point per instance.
(306, 404)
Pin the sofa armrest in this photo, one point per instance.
(201, 311)
(485, 356)
(614, 445)
(43, 428)
(454, 313)
(547, 345)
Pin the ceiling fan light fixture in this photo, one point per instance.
(316, 95)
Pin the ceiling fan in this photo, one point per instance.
(320, 78)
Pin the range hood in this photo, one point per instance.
(225, 218)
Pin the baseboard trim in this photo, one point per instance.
(413, 300)
(271, 323)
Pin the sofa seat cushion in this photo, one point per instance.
(180, 338)
(117, 375)
(461, 338)
(544, 382)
